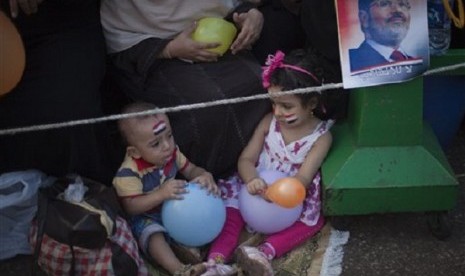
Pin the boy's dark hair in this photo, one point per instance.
(133, 108)
(137, 107)
(321, 68)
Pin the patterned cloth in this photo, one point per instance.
(55, 258)
(276, 155)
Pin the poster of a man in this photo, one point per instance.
(382, 41)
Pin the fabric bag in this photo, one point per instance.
(86, 237)
(18, 206)
(87, 223)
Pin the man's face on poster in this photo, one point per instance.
(386, 21)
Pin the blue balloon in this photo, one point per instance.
(195, 220)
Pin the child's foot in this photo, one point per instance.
(218, 269)
(253, 261)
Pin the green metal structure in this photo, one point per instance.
(384, 157)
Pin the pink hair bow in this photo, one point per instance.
(272, 62)
(276, 61)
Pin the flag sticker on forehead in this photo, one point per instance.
(159, 127)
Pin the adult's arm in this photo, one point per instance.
(141, 57)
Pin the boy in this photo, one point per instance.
(146, 179)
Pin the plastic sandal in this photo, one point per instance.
(191, 270)
(218, 269)
(253, 261)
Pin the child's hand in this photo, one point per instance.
(206, 180)
(257, 186)
(173, 189)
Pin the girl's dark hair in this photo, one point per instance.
(321, 68)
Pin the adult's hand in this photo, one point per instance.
(184, 47)
(250, 23)
(27, 6)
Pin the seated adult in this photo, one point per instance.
(155, 60)
(65, 63)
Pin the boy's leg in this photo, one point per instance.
(186, 254)
(161, 252)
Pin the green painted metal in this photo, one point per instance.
(452, 57)
(364, 180)
(387, 115)
(384, 158)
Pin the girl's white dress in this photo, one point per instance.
(276, 155)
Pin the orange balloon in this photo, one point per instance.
(287, 192)
(12, 56)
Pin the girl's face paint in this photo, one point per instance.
(291, 118)
(288, 109)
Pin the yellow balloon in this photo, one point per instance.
(12, 56)
(287, 192)
(214, 29)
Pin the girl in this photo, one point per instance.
(293, 139)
